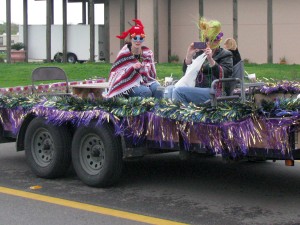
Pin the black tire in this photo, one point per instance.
(47, 148)
(97, 155)
(71, 58)
(58, 57)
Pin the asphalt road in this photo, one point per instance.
(201, 191)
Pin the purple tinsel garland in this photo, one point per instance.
(227, 137)
(277, 133)
(161, 130)
(132, 128)
(11, 119)
(77, 118)
(282, 87)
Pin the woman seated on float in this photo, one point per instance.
(218, 64)
(133, 73)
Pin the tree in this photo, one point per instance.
(14, 28)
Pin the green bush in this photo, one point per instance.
(2, 57)
(174, 58)
(17, 46)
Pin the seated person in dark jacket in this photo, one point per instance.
(230, 44)
(218, 64)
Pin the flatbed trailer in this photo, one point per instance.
(96, 135)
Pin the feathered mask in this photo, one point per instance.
(210, 31)
(138, 29)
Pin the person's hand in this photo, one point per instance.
(208, 52)
(137, 66)
(191, 51)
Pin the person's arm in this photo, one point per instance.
(236, 56)
(149, 62)
(190, 54)
(226, 62)
(222, 59)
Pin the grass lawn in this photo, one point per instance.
(19, 74)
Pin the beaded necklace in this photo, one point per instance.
(209, 76)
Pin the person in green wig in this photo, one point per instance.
(218, 64)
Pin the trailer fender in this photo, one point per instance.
(22, 131)
(4, 136)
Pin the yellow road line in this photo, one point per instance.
(89, 208)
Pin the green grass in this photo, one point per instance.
(19, 74)
(275, 71)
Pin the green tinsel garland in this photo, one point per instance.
(122, 107)
(25, 102)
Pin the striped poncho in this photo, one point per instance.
(123, 77)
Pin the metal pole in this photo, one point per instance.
(201, 9)
(83, 11)
(107, 31)
(65, 31)
(8, 31)
(25, 28)
(156, 31)
(52, 12)
(92, 30)
(122, 20)
(48, 31)
(270, 31)
(235, 20)
(135, 9)
(169, 30)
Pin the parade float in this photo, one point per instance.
(96, 134)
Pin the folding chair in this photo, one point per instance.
(237, 81)
(48, 74)
(214, 99)
(238, 71)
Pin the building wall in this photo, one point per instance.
(251, 30)
(163, 31)
(114, 28)
(252, 27)
(183, 26)
(145, 12)
(184, 19)
(286, 30)
(223, 13)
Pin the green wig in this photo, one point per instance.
(210, 30)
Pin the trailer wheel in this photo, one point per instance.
(97, 155)
(71, 58)
(47, 148)
(58, 57)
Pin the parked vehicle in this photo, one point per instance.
(78, 42)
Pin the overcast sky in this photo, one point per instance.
(37, 12)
